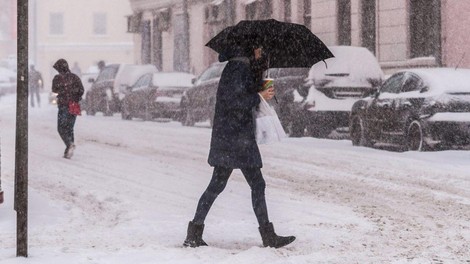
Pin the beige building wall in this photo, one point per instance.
(392, 30)
(198, 39)
(79, 43)
(455, 28)
(324, 23)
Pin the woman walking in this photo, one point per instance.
(233, 143)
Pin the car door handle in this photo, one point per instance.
(384, 105)
(406, 104)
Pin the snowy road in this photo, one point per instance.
(132, 186)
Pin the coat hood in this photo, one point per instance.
(61, 66)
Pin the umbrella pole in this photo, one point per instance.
(269, 73)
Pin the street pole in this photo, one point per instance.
(21, 146)
(1, 192)
(185, 50)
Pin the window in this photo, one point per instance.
(261, 9)
(108, 73)
(99, 24)
(425, 23)
(308, 13)
(211, 73)
(265, 8)
(143, 82)
(412, 83)
(250, 11)
(393, 84)
(146, 42)
(368, 25)
(344, 22)
(56, 23)
(287, 11)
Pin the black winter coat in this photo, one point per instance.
(233, 143)
(67, 85)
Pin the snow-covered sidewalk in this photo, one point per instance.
(132, 186)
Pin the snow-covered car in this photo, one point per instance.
(334, 86)
(198, 103)
(109, 88)
(418, 109)
(7, 81)
(156, 95)
(288, 81)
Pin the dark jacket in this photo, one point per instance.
(35, 80)
(67, 85)
(233, 143)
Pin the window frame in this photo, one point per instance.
(56, 27)
(97, 26)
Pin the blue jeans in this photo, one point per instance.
(217, 184)
(65, 123)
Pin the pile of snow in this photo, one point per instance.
(131, 187)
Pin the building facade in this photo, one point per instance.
(401, 33)
(82, 32)
(7, 28)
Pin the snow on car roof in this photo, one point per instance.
(444, 79)
(7, 72)
(173, 79)
(129, 73)
(357, 62)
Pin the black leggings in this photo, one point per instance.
(217, 184)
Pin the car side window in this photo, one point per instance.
(393, 84)
(107, 74)
(411, 83)
(206, 75)
(211, 73)
(143, 81)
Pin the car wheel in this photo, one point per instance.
(358, 132)
(90, 111)
(212, 112)
(107, 110)
(125, 113)
(318, 131)
(187, 119)
(415, 137)
(295, 129)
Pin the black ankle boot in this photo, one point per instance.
(194, 236)
(270, 239)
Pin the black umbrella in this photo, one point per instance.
(287, 44)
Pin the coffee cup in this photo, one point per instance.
(267, 83)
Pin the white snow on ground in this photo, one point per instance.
(132, 186)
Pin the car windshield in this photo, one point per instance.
(107, 73)
(286, 72)
(357, 65)
(143, 82)
(211, 73)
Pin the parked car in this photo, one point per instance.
(334, 86)
(108, 89)
(418, 109)
(156, 95)
(7, 81)
(198, 102)
(287, 82)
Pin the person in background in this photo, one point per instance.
(101, 65)
(233, 143)
(35, 85)
(69, 88)
(76, 69)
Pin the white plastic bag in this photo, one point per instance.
(268, 126)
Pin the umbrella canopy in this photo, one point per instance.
(287, 44)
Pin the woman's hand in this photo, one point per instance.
(267, 94)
